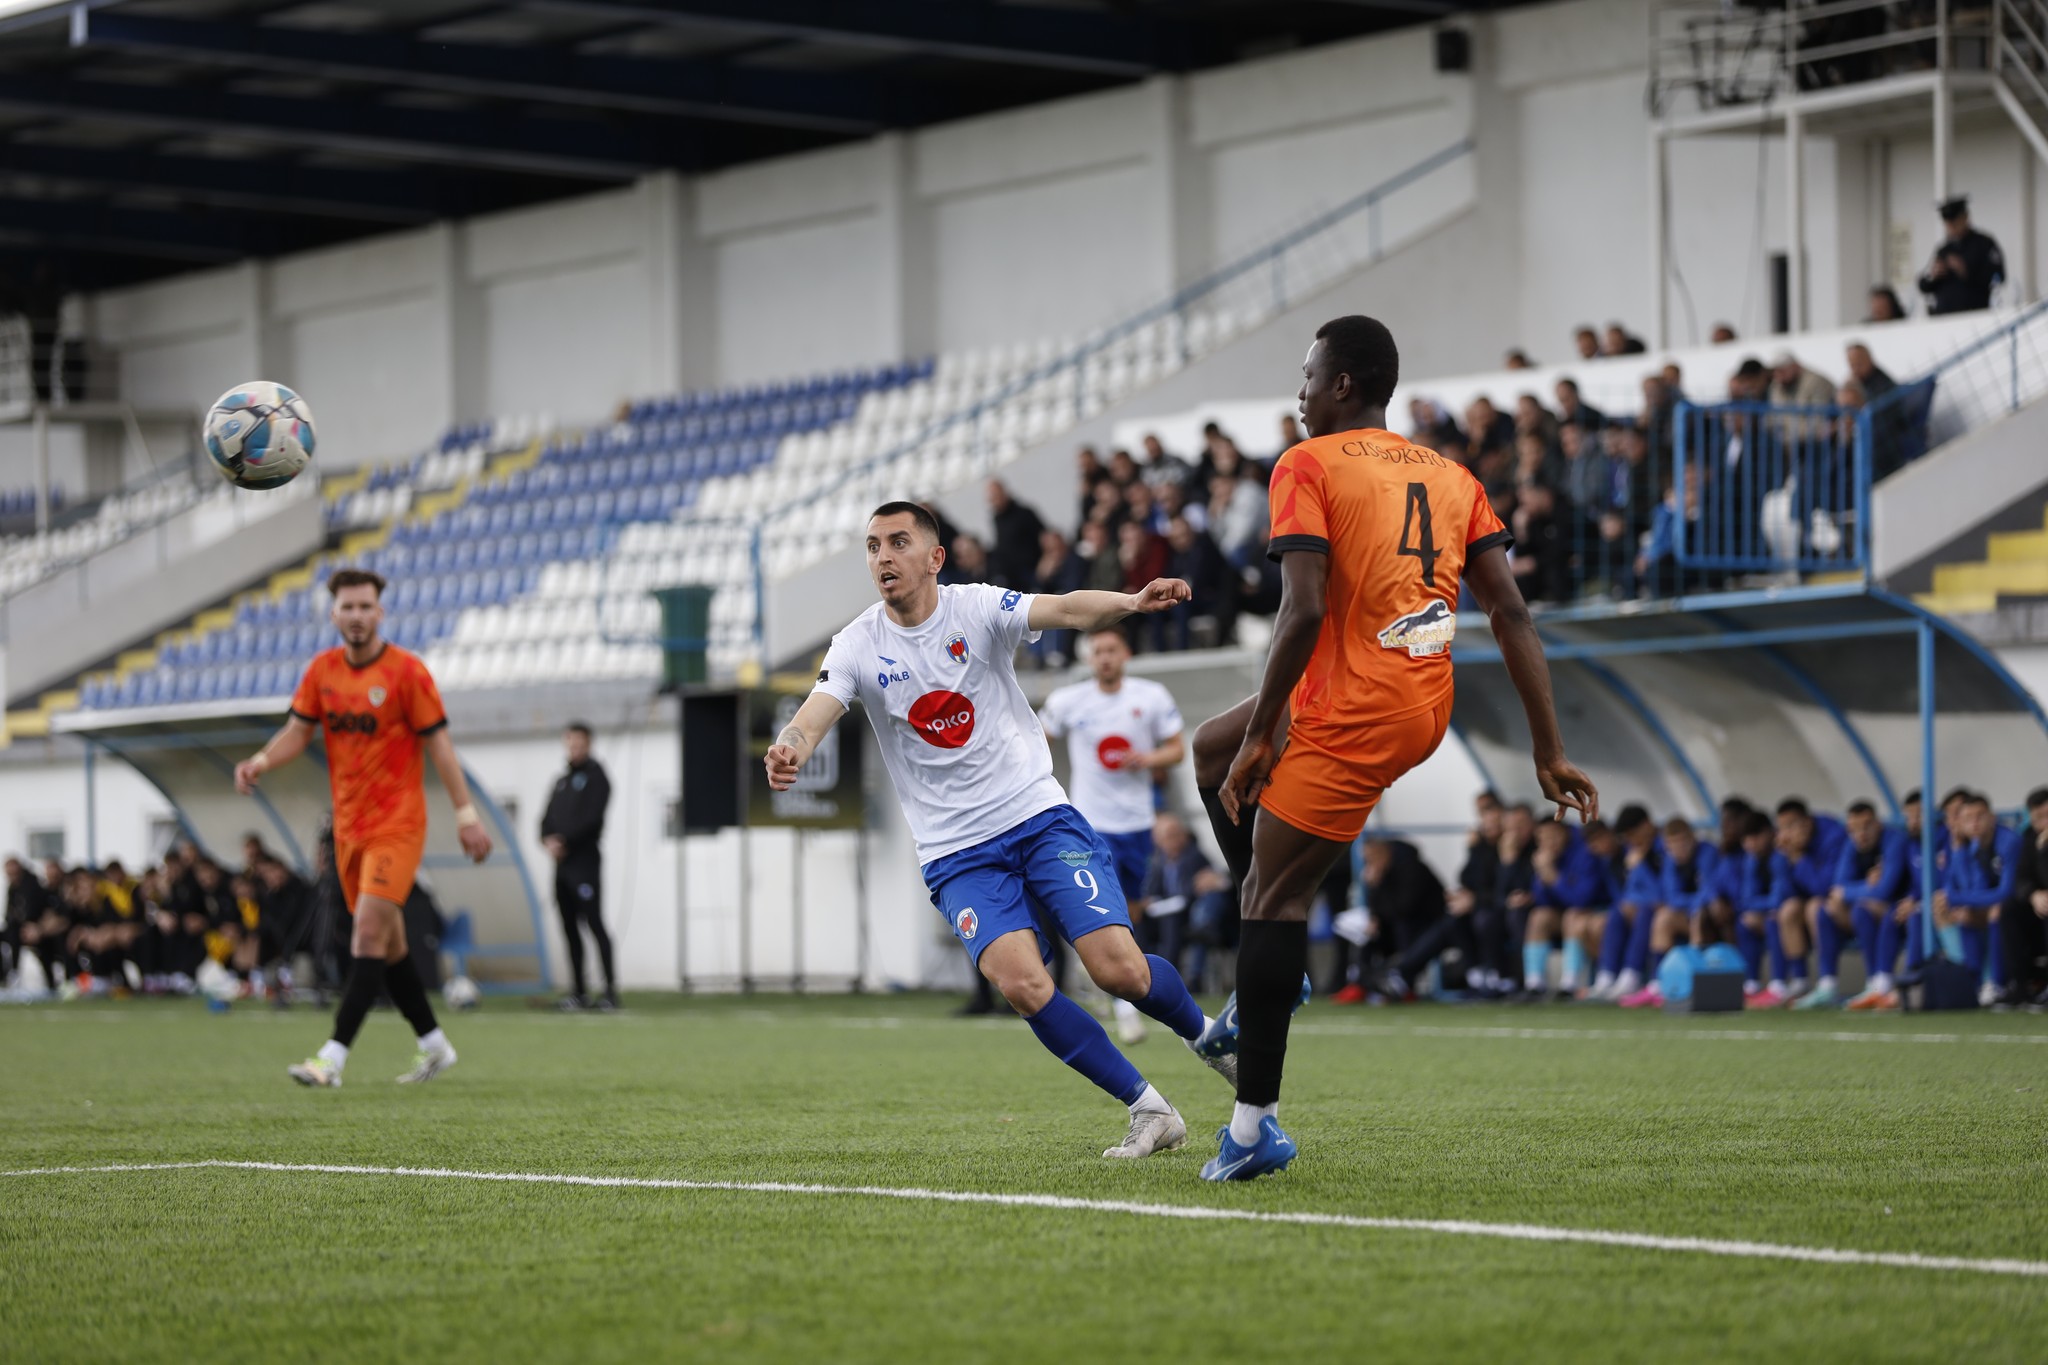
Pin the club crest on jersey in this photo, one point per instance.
(1422, 633)
(377, 695)
(956, 647)
(968, 922)
(1075, 859)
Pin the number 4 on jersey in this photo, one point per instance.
(1415, 522)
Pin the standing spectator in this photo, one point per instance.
(1488, 430)
(1141, 505)
(1657, 568)
(1586, 341)
(1572, 412)
(1660, 407)
(572, 830)
(1620, 341)
(1721, 335)
(1290, 437)
(25, 903)
(1059, 570)
(1405, 900)
(2023, 920)
(1161, 468)
(1088, 474)
(1885, 305)
(1584, 481)
(1965, 268)
(1017, 529)
(1543, 547)
(1142, 553)
(1517, 359)
(1532, 417)
(1674, 382)
(1433, 426)
(1098, 548)
(966, 562)
(1212, 583)
(1863, 367)
(1123, 470)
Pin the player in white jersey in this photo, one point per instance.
(1120, 732)
(936, 669)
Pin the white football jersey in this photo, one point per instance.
(958, 736)
(1103, 729)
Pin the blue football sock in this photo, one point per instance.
(1613, 942)
(1574, 964)
(1994, 956)
(1535, 966)
(1868, 933)
(1951, 938)
(1774, 943)
(1169, 1002)
(1827, 944)
(1750, 944)
(1071, 1034)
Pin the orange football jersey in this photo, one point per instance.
(1399, 523)
(373, 719)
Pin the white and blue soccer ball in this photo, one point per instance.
(461, 993)
(260, 434)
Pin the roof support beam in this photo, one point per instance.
(678, 88)
(60, 223)
(400, 196)
(586, 149)
(1019, 35)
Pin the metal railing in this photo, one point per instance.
(1727, 56)
(2019, 58)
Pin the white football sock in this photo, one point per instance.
(1826, 983)
(1629, 982)
(1879, 984)
(334, 1054)
(1244, 1122)
(1151, 1102)
(1122, 1009)
(435, 1041)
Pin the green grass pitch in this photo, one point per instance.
(1863, 1134)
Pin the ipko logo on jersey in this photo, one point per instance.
(945, 720)
(1113, 752)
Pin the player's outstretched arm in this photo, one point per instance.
(1089, 609)
(1304, 592)
(800, 738)
(1493, 583)
(469, 826)
(286, 745)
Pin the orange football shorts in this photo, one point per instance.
(1329, 778)
(383, 866)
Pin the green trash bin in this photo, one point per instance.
(685, 634)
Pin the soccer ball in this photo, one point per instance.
(461, 993)
(260, 434)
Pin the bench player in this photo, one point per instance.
(380, 713)
(995, 834)
(1374, 536)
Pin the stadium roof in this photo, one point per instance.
(143, 137)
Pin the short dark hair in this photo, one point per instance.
(355, 578)
(1793, 805)
(1736, 805)
(1977, 799)
(917, 512)
(1568, 383)
(1363, 348)
(1632, 817)
(1911, 798)
(2037, 798)
(1861, 808)
(1756, 823)
(577, 727)
(1584, 329)
(1956, 794)
(1678, 825)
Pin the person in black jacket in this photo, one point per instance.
(2024, 919)
(571, 829)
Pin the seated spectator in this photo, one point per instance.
(1864, 369)
(1404, 900)
(106, 923)
(1211, 608)
(1290, 437)
(1659, 415)
(1014, 556)
(1098, 548)
(1586, 341)
(45, 935)
(1620, 341)
(1180, 888)
(1431, 426)
(25, 902)
(1142, 554)
(1625, 514)
(1571, 412)
(1123, 470)
(1584, 482)
(1473, 924)
(1159, 468)
(1239, 519)
(1674, 382)
(1657, 567)
(966, 563)
(1532, 416)
(1517, 360)
(1089, 474)
(1107, 505)
(1750, 383)
(1220, 454)
(2023, 919)
(1174, 502)
(1795, 386)
(1141, 505)
(1721, 335)
(1537, 458)
(1488, 430)
(1059, 570)
(1885, 305)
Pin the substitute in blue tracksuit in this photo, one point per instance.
(1979, 879)
(1754, 884)
(1636, 872)
(1812, 845)
(1571, 890)
(1687, 881)
(1869, 878)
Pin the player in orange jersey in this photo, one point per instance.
(381, 714)
(1373, 536)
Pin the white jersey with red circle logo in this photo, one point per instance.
(1104, 730)
(960, 740)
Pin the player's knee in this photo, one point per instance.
(1027, 992)
(1127, 976)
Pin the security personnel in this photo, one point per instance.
(571, 829)
(1965, 267)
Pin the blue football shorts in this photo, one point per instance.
(1053, 864)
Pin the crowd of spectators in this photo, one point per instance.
(1541, 910)
(83, 930)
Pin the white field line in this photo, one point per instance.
(1514, 1232)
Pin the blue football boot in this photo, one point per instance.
(1271, 1152)
(1219, 1039)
